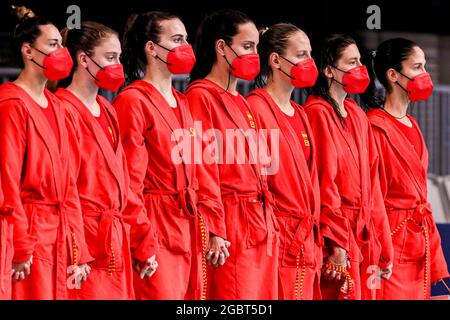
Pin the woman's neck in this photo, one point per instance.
(223, 79)
(396, 103)
(33, 84)
(162, 82)
(281, 94)
(86, 90)
(339, 95)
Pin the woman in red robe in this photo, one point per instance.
(286, 63)
(353, 219)
(118, 232)
(157, 132)
(418, 259)
(233, 190)
(49, 244)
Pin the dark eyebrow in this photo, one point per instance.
(177, 35)
(249, 42)
(53, 39)
(111, 52)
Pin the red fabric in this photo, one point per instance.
(298, 124)
(403, 181)
(348, 126)
(352, 210)
(295, 188)
(168, 187)
(411, 133)
(6, 249)
(110, 208)
(51, 118)
(47, 217)
(106, 125)
(177, 112)
(239, 101)
(235, 201)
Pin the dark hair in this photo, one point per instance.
(140, 29)
(86, 38)
(27, 29)
(273, 39)
(222, 24)
(330, 52)
(391, 54)
(372, 97)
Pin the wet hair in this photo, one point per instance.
(273, 39)
(26, 30)
(391, 54)
(222, 24)
(140, 29)
(85, 39)
(331, 50)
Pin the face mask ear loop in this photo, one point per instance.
(406, 90)
(287, 74)
(397, 83)
(229, 64)
(157, 57)
(34, 61)
(87, 69)
(333, 79)
(294, 64)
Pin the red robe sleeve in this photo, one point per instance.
(210, 203)
(13, 136)
(143, 239)
(75, 218)
(379, 214)
(333, 224)
(133, 124)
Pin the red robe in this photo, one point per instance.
(235, 201)
(150, 133)
(295, 188)
(48, 224)
(6, 248)
(115, 220)
(352, 211)
(418, 258)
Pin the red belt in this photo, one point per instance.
(105, 225)
(186, 196)
(264, 196)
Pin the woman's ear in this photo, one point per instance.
(392, 75)
(220, 47)
(329, 73)
(150, 49)
(27, 51)
(82, 59)
(274, 60)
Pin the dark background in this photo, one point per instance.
(316, 17)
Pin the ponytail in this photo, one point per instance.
(372, 97)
